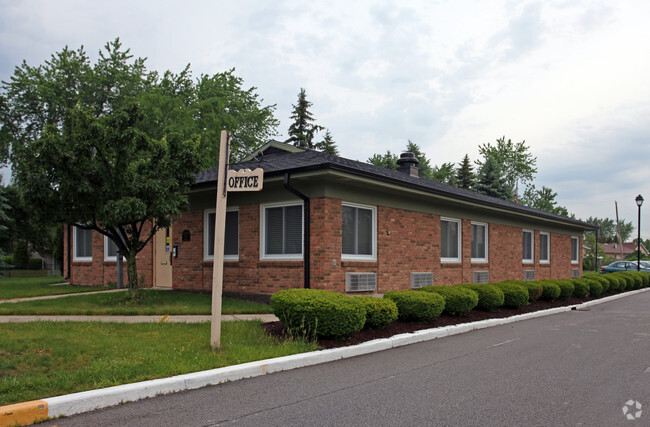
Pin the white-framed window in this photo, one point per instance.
(358, 232)
(450, 240)
(527, 246)
(575, 244)
(110, 250)
(83, 244)
(282, 234)
(479, 242)
(544, 248)
(231, 236)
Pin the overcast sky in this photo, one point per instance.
(571, 78)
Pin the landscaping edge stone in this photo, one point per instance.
(29, 412)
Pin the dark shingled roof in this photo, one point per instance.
(276, 162)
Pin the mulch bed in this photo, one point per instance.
(277, 329)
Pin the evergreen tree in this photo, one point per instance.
(465, 175)
(490, 180)
(327, 145)
(303, 129)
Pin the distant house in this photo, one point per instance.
(622, 251)
(326, 222)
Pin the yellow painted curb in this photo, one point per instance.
(164, 319)
(23, 414)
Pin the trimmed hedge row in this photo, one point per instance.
(313, 312)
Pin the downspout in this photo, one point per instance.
(306, 228)
(69, 254)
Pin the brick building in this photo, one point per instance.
(331, 223)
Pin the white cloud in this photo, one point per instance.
(568, 77)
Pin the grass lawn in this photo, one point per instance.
(118, 303)
(45, 359)
(26, 287)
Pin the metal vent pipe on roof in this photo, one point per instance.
(408, 163)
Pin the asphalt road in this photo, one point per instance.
(576, 368)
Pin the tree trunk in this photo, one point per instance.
(132, 275)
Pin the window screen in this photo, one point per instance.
(357, 234)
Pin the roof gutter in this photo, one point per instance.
(306, 228)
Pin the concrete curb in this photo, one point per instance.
(52, 407)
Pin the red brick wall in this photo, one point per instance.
(407, 242)
(100, 272)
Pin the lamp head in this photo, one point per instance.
(639, 200)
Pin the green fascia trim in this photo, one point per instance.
(367, 191)
(364, 190)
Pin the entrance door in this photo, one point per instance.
(162, 258)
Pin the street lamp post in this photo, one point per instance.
(639, 202)
(596, 244)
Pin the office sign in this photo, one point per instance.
(245, 180)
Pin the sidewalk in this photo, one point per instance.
(138, 319)
(122, 319)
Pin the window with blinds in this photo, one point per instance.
(83, 244)
(282, 232)
(544, 248)
(231, 237)
(479, 242)
(527, 246)
(575, 257)
(450, 240)
(358, 232)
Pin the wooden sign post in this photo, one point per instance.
(243, 180)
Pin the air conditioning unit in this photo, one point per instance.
(481, 277)
(575, 273)
(420, 280)
(359, 282)
(529, 275)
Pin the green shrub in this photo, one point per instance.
(640, 279)
(379, 312)
(417, 306)
(626, 281)
(533, 287)
(581, 288)
(318, 312)
(489, 297)
(595, 288)
(603, 281)
(458, 301)
(566, 288)
(615, 282)
(634, 281)
(550, 290)
(515, 296)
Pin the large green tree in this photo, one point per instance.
(304, 128)
(543, 199)
(387, 160)
(445, 173)
(515, 160)
(112, 147)
(490, 180)
(607, 229)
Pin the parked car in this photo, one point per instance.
(625, 266)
